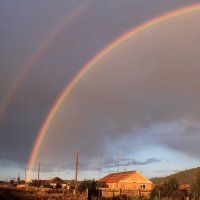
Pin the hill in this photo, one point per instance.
(184, 177)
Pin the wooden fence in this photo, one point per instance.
(107, 192)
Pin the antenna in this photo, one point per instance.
(118, 163)
(76, 175)
(99, 169)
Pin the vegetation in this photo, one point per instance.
(169, 189)
(88, 184)
(183, 177)
(92, 188)
(91, 185)
(195, 189)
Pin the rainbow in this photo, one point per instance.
(125, 37)
(67, 21)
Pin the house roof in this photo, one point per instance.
(21, 182)
(43, 181)
(185, 186)
(115, 177)
(57, 180)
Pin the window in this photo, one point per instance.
(114, 185)
(142, 186)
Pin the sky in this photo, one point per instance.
(137, 107)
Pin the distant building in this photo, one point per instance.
(129, 180)
(2, 182)
(21, 183)
(57, 183)
(185, 187)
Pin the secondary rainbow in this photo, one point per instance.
(133, 32)
(67, 21)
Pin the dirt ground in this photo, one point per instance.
(8, 193)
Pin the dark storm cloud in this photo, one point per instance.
(95, 114)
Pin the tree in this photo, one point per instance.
(88, 184)
(91, 186)
(169, 189)
(102, 185)
(183, 193)
(195, 190)
(155, 193)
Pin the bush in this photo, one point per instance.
(169, 189)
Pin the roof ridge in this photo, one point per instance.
(123, 172)
(131, 172)
(117, 176)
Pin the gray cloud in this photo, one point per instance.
(129, 162)
(144, 89)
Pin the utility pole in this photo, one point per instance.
(25, 181)
(118, 164)
(38, 175)
(76, 175)
(99, 169)
(99, 192)
(18, 178)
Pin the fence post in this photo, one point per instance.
(87, 193)
(139, 193)
(99, 193)
(158, 194)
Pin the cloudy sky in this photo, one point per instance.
(139, 104)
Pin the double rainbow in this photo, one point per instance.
(131, 33)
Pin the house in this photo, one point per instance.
(129, 180)
(39, 183)
(57, 183)
(184, 187)
(21, 184)
(2, 182)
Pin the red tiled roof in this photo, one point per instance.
(115, 177)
